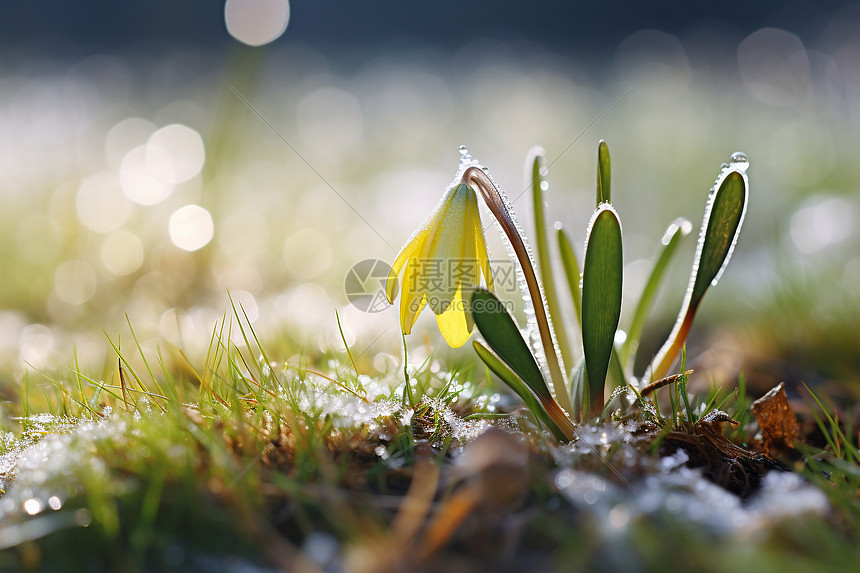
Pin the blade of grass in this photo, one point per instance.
(254, 335)
(838, 435)
(257, 365)
(345, 345)
(204, 390)
(122, 384)
(121, 359)
(80, 382)
(145, 362)
(62, 390)
(136, 391)
(102, 387)
(682, 386)
(726, 400)
(171, 384)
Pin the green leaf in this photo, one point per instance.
(604, 174)
(678, 229)
(720, 229)
(504, 338)
(571, 272)
(508, 376)
(721, 226)
(538, 184)
(502, 335)
(601, 298)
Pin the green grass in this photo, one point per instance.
(167, 462)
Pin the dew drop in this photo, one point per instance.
(466, 160)
(739, 161)
(33, 506)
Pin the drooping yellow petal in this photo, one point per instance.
(470, 268)
(441, 266)
(412, 297)
(445, 252)
(454, 323)
(416, 245)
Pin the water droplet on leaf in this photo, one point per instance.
(739, 161)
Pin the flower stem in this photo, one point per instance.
(493, 199)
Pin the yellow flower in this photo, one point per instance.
(443, 264)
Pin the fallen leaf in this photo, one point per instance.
(777, 420)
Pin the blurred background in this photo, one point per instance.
(155, 156)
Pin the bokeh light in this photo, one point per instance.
(122, 252)
(138, 182)
(191, 227)
(36, 343)
(175, 153)
(256, 22)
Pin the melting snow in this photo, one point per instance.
(683, 492)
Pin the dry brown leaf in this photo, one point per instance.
(776, 419)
